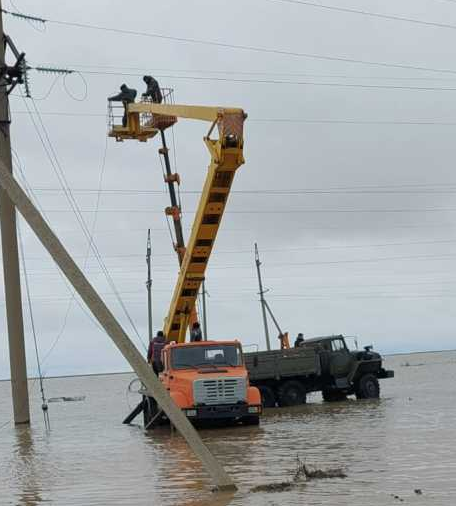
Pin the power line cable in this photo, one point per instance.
(276, 82)
(366, 13)
(49, 150)
(33, 197)
(342, 121)
(269, 192)
(44, 405)
(241, 47)
(273, 211)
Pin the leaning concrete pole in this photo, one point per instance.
(11, 273)
(112, 327)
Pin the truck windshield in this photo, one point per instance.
(206, 356)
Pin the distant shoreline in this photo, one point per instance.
(132, 372)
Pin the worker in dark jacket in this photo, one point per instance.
(154, 352)
(195, 333)
(153, 90)
(126, 96)
(299, 340)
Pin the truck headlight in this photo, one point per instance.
(190, 412)
(254, 409)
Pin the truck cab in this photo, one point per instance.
(209, 381)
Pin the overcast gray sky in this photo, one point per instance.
(366, 247)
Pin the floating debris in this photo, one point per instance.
(67, 399)
(418, 491)
(274, 487)
(302, 473)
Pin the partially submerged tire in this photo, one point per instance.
(291, 393)
(368, 387)
(333, 396)
(268, 398)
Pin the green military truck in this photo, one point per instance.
(285, 377)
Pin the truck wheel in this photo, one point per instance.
(251, 420)
(368, 387)
(292, 393)
(268, 398)
(333, 396)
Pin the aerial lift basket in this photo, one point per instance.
(140, 126)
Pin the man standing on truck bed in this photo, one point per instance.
(299, 340)
(154, 352)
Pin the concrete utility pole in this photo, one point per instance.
(113, 329)
(262, 299)
(11, 273)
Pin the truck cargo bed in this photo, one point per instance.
(282, 363)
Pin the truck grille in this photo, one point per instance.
(220, 391)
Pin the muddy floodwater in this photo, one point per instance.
(389, 448)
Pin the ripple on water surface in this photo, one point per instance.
(404, 441)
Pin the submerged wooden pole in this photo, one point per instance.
(112, 328)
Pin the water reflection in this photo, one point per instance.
(25, 469)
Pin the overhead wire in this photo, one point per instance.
(49, 91)
(275, 211)
(44, 405)
(424, 188)
(244, 47)
(86, 256)
(366, 13)
(49, 150)
(86, 88)
(323, 121)
(33, 197)
(276, 82)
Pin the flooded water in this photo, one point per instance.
(387, 448)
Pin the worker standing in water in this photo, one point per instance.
(153, 90)
(154, 352)
(126, 96)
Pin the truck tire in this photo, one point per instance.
(291, 393)
(268, 398)
(367, 387)
(333, 395)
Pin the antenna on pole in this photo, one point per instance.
(149, 285)
(262, 299)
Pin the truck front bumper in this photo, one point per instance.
(383, 373)
(222, 412)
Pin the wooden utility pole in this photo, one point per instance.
(262, 299)
(107, 320)
(11, 273)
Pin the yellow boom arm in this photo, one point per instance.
(144, 120)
